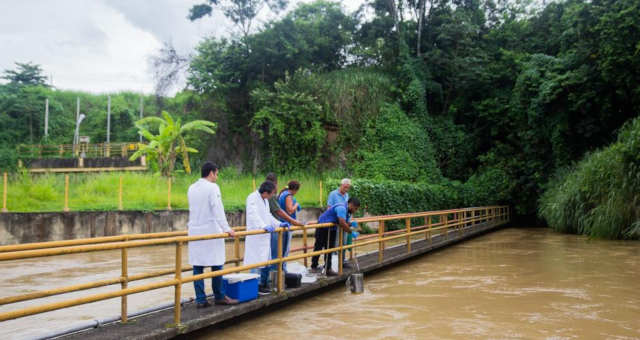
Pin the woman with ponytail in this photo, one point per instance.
(288, 203)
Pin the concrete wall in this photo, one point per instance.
(18, 228)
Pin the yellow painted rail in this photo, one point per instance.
(441, 222)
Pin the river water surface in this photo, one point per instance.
(516, 283)
(510, 284)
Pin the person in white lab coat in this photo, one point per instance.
(257, 248)
(206, 216)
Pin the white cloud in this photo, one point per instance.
(103, 45)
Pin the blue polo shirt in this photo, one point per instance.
(332, 214)
(335, 197)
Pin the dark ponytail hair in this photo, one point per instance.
(292, 185)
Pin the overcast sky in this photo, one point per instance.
(102, 45)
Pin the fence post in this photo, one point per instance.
(380, 243)
(124, 281)
(340, 253)
(120, 194)
(429, 228)
(304, 243)
(407, 223)
(178, 288)
(280, 264)
(169, 193)
(66, 193)
(4, 194)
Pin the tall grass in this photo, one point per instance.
(141, 191)
(599, 196)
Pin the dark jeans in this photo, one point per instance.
(264, 275)
(274, 248)
(216, 284)
(325, 239)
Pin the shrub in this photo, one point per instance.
(599, 196)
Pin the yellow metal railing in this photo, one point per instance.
(441, 222)
(121, 149)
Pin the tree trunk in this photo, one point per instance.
(420, 22)
(393, 10)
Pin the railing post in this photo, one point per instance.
(4, 193)
(407, 223)
(429, 227)
(280, 272)
(120, 194)
(236, 250)
(169, 193)
(340, 253)
(445, 223)
(124, 281)
(66, 193)
(304, 243)
(380, 243)
(177, 309)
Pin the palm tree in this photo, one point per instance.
(164, 147)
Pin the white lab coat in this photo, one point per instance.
(257, 248)
(206, 216)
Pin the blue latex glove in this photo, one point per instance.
(269, 229)
(354, 224)
(285, 225)
(299, 208)
(355, 234)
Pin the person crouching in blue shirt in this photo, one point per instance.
(341, 195)
(339, 214)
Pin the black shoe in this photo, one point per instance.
(347, 265)
(331, 273)
(264, 290)
(203, 305)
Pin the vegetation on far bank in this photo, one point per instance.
(600, 195)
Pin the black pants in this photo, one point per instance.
(325, 239)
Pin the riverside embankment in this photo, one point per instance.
(17, 228)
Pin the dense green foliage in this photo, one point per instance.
(497, 95)
(600, 196)
(381, 197)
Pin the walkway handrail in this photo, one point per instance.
(459, 220)
(167, 234)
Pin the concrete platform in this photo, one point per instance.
(158, 325)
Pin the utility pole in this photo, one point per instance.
(46, 119)
(141, 111)
(75, 138)
(108, 119)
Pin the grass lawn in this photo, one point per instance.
(141, 191)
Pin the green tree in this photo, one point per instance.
(288, 120)
(241, 12)
(26, 74)
(165, 146)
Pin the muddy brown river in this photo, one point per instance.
(522, 283)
